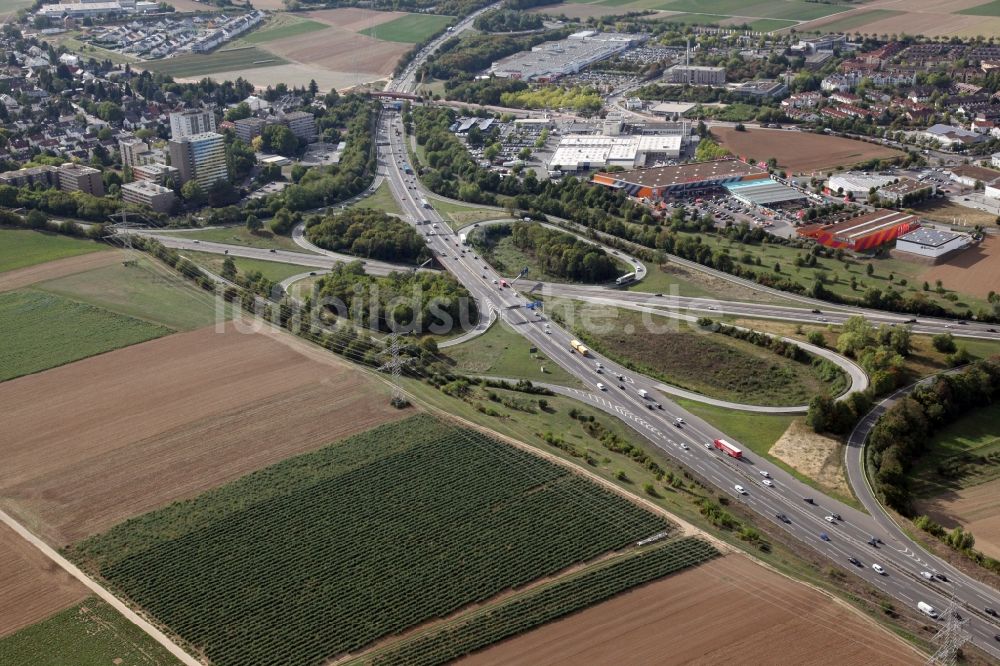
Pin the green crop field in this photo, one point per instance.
(410, 29)
(985, 9)
(964, 454)
(197, 64)
(240, 236)
(281, 27)
(41, 331)
(90, 633)
(360, 540)
(20, 248)
(540, 605)
(148, 290)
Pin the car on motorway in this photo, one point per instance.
(830, 519)
(678, 420)
(873, 543)
(740, 489)
(764, 473)
(990, 611)
(685, 446)
(808, 500)
(783, 518)
(272, 250)
(768, 482)
(855, 561)
(927, 574)
(879, 569)
(836, 516)
(824, 536)
(941, 577)
(601, 387)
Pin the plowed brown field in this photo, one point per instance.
(727, 611)
(801, 152)
(975, 271)
(32, 587)
(90, 444)
(976, 509)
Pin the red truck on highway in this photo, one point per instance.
(728, 448)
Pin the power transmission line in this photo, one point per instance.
(950, 638)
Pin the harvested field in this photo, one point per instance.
(295, 75)
(975, 271)
(22, 277)
(800, 152)
(339, 50)
(818, 457)
(31, 585)
(948, 212)
(90, 444)
(679, 617)
(352, 19)
(920, 17)
(976, 509)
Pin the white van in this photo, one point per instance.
(643, 393)
(927, 609)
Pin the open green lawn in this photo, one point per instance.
(838, 274)
(275, 271)
(712, 364)
(91, 633)
(964, 454)
(197, 64)
(380, 199)
(985, 9)
(282, 26)
(148, 291)
(410, 29)
(501, 352)
(20, 248)
(853, 21)
(240, 236)
(42, 330)
(459, 215)
(758, 432)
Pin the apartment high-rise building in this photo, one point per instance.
(148, 193)
(132, 150)
(190, 122)
(302, 124)
(80, 178)
(200, 157)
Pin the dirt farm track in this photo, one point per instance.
(92, 443)
(800, 152)
(727, 611)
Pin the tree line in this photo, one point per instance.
(365, 232)
(507, 20)
(563, 255)
(902, 433)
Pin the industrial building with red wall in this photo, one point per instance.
(865, 232)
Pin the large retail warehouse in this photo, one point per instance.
(666, 181)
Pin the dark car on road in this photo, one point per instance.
(855, 561)
(782, 517)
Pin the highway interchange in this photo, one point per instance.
(902, 559)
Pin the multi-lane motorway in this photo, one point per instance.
(655, 419)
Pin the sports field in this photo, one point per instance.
(197, 64)
(410, 29)
(42, 331)
(370, 536)
(20, 248)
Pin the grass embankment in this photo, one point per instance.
(147, 290)
(837, 275)
(20, 248)
(380, 199)
(240, 236)
(501, 352)
(42, 331)
(676, 280)
(963, 454)
(275, 271)
(459, 215)
(679, 354)
(89, 633)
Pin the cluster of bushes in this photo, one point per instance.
(901, 435)
(557, 253)
(616, 444)
(960, 540)
(482, 91)
(581, 99)
(419, 302)
(365, 232)
(78, 205)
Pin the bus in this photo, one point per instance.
(625, 279)
(578, 347)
